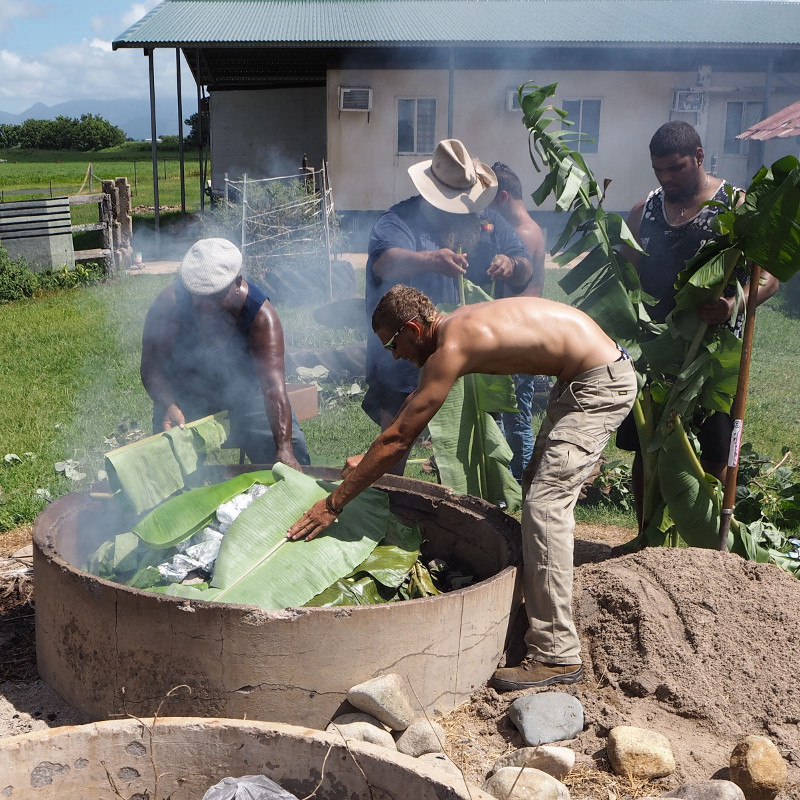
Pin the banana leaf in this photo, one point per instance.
(153, 469)
(182, 516)
(258, 565)
(769, 219)
(420, 584)
(471, 453)
(692, 497)
(378, 577)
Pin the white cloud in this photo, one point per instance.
(87, 69)
(17, 9)
(137, 11)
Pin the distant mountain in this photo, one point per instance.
(133, 116)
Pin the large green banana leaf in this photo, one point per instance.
(472, 455)
(258, 565)
(182, 516)
(377, 578)
(152, 469)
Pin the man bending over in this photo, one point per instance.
(595, 389)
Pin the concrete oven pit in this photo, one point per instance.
(111, 650)
(182, 758)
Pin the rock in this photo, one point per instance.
(385, 698)
(441, 761)
(707, 790)
(420, 737)
(555, 761)
(639, 753)
(362, 728)
(758, 768)
(529, 784)
(547, 717)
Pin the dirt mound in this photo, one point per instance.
(699, 645)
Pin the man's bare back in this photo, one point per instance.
(521, 335)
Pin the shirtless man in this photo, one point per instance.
(595, 389)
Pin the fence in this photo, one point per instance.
(41, 231)
(287, 226)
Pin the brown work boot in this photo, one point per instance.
(532, 673)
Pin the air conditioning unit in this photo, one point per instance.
(355, 98)
(687, 100)
(512, 100)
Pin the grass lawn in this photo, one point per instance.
(69, 368)
(29, 174)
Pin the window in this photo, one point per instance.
(739, 116)
(416, 126)
(585, 116)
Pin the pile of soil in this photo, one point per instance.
(698, 645)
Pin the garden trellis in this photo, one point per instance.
(285, 220)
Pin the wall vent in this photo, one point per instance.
(687, 100)
(355, 98)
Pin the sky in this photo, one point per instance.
(52, 51)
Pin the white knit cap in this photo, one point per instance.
(210, 266)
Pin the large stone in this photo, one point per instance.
(640, 753)
(441, 761)
(707, 790)
(547, 717)
(385, 698)
(528, 784)
(420, 737)
(555, 761)
(758, 768)
(362, 728)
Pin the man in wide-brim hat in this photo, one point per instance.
(429, 241)
(213, 342)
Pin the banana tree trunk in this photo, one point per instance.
(738, 409)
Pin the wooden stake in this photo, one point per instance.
(738, 409)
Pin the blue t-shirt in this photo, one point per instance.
(404, 226)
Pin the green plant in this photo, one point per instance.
(684, 365)
(16, 279)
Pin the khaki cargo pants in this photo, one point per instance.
(580, 417)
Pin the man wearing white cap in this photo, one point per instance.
(211, 342)
(429, 241)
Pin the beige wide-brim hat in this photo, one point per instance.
(210, 266)
(452, 181)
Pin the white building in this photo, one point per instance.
(370, 86)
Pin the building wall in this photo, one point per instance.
(368, 174)
(265, 133)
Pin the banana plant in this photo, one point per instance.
(685, 368)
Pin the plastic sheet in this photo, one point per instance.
(249, 787)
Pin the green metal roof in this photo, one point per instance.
(282, 23)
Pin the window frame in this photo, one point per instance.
(742, 146)
(591, 145)
(416, 150)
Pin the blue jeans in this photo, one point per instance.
(517, 425)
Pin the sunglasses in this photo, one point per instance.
(390, 343)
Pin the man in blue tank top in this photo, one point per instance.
(213, 342)
(671, 224)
